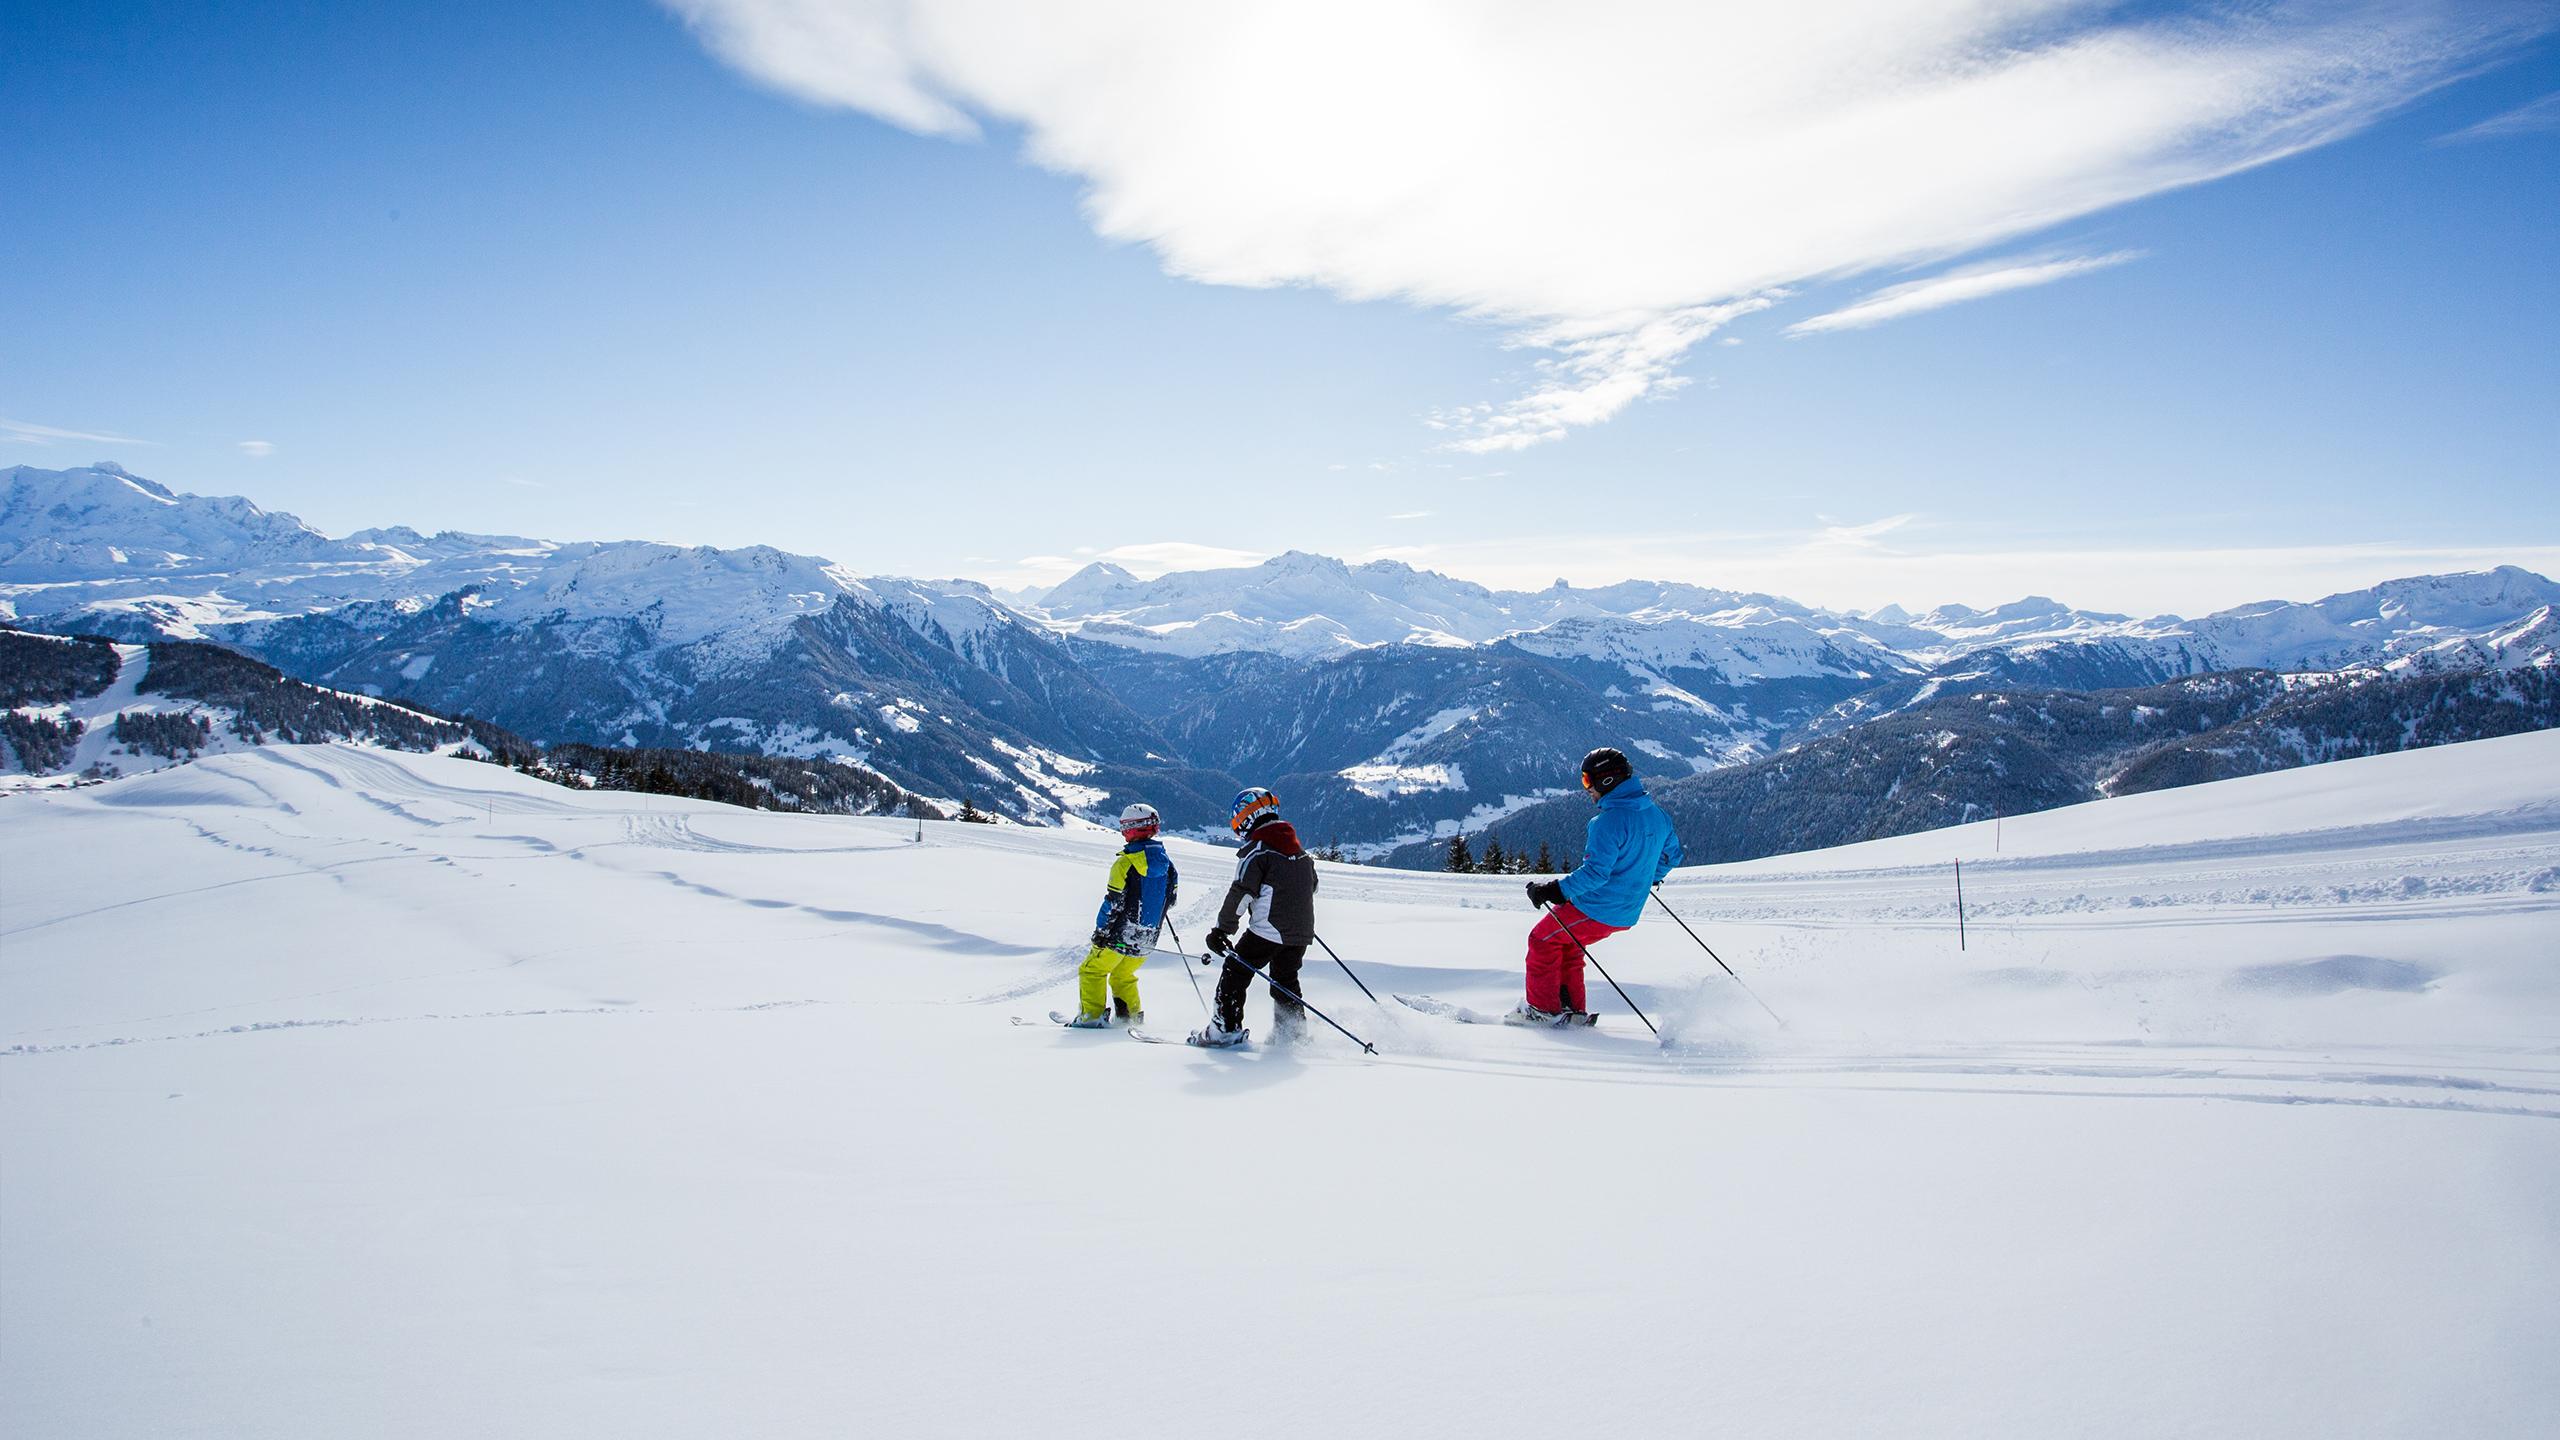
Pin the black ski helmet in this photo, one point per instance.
(1602, 769)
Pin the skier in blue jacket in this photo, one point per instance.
(1143, 886)
(1626, 851)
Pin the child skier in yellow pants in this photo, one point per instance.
(1139, 893)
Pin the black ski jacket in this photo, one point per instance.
(1274, 894)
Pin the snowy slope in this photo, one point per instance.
(360, 1093)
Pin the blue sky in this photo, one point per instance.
(592, 271)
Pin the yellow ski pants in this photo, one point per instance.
(1106, 968)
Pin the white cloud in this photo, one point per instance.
(1971, 282)
(2531, 118)
(1610, 177)
(1412, 515)
(1592, 377)
(22, 433)
(1164, 555)
(257, 449)
(1869, 536)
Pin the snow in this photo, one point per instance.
(350, 1092)
(1049, 772)
(1382, 782)
(1440, 723)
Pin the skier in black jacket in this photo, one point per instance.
(1271, 912)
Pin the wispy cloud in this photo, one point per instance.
(1163, 555)
(1596, 371)
(257, 449)
(2534, 117)
(1971, 282)
(22, 433)
(1412, 515)
(1607, 178)
(1869, 536)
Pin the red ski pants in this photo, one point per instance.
(1555, 963)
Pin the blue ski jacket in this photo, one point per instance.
(1140, 890)
(1626, 851)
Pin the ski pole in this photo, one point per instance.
(1712, 955)
(1294, 995)
(1596, 965)
(1356, 980)
(1186, 970)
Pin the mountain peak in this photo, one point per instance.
(1088, 586)
(1303, 562)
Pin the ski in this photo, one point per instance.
(1149, 1037)
(1430, 1005)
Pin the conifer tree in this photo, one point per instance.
(1546, 859)
(1494, 861)
(1461, 860)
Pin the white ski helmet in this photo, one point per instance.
(1139, 821)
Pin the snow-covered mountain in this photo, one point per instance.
(1388, 703)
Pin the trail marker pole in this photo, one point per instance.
(1959, 905)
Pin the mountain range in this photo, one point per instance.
(1388, 705)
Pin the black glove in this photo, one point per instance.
(1546, 892)
(1218, 943)
(1101, 938)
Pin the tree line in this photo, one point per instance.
(1493, 859)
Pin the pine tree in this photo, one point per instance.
(970, 814)
(1494, 862)
(1461, 861)
(1546, 860)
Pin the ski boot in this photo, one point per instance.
(1082, 1021)
(1213, 1037)
(1123, 1015)
(1527, 1014)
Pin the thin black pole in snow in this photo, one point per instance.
(1356, 980)
(1186, 972)
(1959, 904)
(1294, 995)
(1567, 927)
(1712, 955)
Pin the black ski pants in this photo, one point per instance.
(1252, 953)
